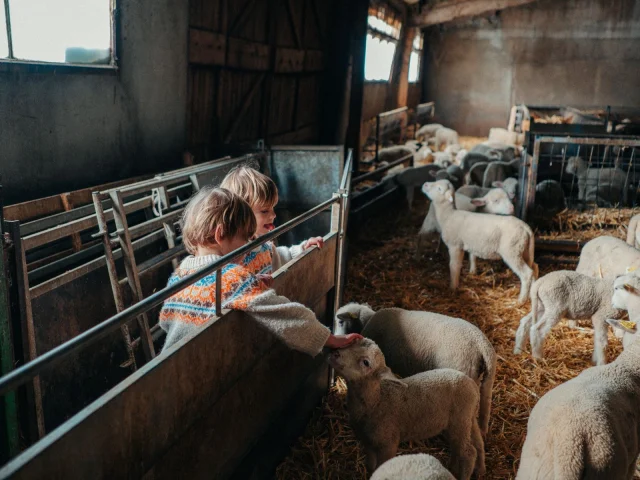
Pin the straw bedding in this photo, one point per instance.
(382, 271)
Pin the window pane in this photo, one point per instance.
(417, 40)
(4, 45)
(378, 59)
(75, 31)
(414, 67)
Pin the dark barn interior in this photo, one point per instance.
(115, 114)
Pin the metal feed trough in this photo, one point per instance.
(142, 389)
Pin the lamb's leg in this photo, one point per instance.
(524, 273)
(472, 264)
(541, 329)
(463, 456)
(486, 389)
(386, 453)
(522, 335)
(478, 443)
(600, 340)
(455, 265)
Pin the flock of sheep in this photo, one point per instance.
(588, 427)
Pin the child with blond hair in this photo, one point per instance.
(215, 223)
(261, 193)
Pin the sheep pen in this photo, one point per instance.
(383, 272)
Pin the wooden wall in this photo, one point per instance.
(256, 69)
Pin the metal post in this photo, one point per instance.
(218, 292)
(113, 278)
(529, 197)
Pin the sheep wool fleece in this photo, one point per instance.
(184, 313)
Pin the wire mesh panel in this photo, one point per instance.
(579, 173)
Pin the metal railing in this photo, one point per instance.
(32, 369)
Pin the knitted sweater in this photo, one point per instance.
(268, 258)
(187, 311)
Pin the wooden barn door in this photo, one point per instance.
(255, 71)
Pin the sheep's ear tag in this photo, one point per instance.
(628, 324)
(632, 268)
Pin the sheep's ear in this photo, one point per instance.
(478, 202)
(497, 184)
(624, 325)
(390, 379)
(631, 268)
(631, 289)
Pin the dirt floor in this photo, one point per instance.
(382, 271)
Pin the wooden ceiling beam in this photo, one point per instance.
(450, 10)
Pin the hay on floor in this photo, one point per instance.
(383, 272)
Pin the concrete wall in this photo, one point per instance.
(564, 52)
(68, 130)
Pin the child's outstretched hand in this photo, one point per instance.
(341, 341)
(266, 279)
(315, 241)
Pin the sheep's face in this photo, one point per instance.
(496, 201)
(357, 361)
(626, 292)
(572, 165)
(349, 319)
(440, 191)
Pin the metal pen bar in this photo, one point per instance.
(346, 172)
(24, 373)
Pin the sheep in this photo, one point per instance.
(442, 159)
(422, 154)
(494, 201)
(607, 257)
(501, 135)
(470, 159)
(626, 296)
(605, 186)
(391, 154)
(486, 236)
(385, 410)
(568, 294)
(416, 466)
(550, 197)
(633, 232)
(446, 136)
(427, 131)
(413, 177)
(415, 342)
(492, 153)
(453, 149)
(510, 185)
(589, 427)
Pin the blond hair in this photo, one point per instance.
(254, 187)
(213, 207)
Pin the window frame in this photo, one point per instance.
(11, 64)
(388, 16)
(420, 57)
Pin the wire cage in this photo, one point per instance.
(578, 173)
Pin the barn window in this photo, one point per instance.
(414, 58)
(57, 31)
(383, 33)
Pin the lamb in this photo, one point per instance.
(427, 131)
(475, 176)
(605, 186)
(391, 154)
(500, 171)
(452, 173)
(470, 159)
(385, 411)
(510, 185)
(589, 426)
(501, 135)
(633, 232)
(442, 159)
(422, 154)
(568, 294)
(453, 149)
(416, 466)
(415, 342)
(491, 152)
(460, 156)
(413, 177)
(607, 257)
(446, 136)
(486, 236)
(495, 201)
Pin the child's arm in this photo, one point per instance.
(282, 255)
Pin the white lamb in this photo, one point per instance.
(460, 156)
(501, 135)
(495, 201)
(453, 149)
(589, 427)
(633, 232)
(443, 159)
(607, 257)
(414, 342)
(446, 136)
(422, 154)
(419, 466)
(487, 236)
(605, 186)
(572, 295)
(427, 131)
(385, 411)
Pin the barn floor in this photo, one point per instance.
(382, 271)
